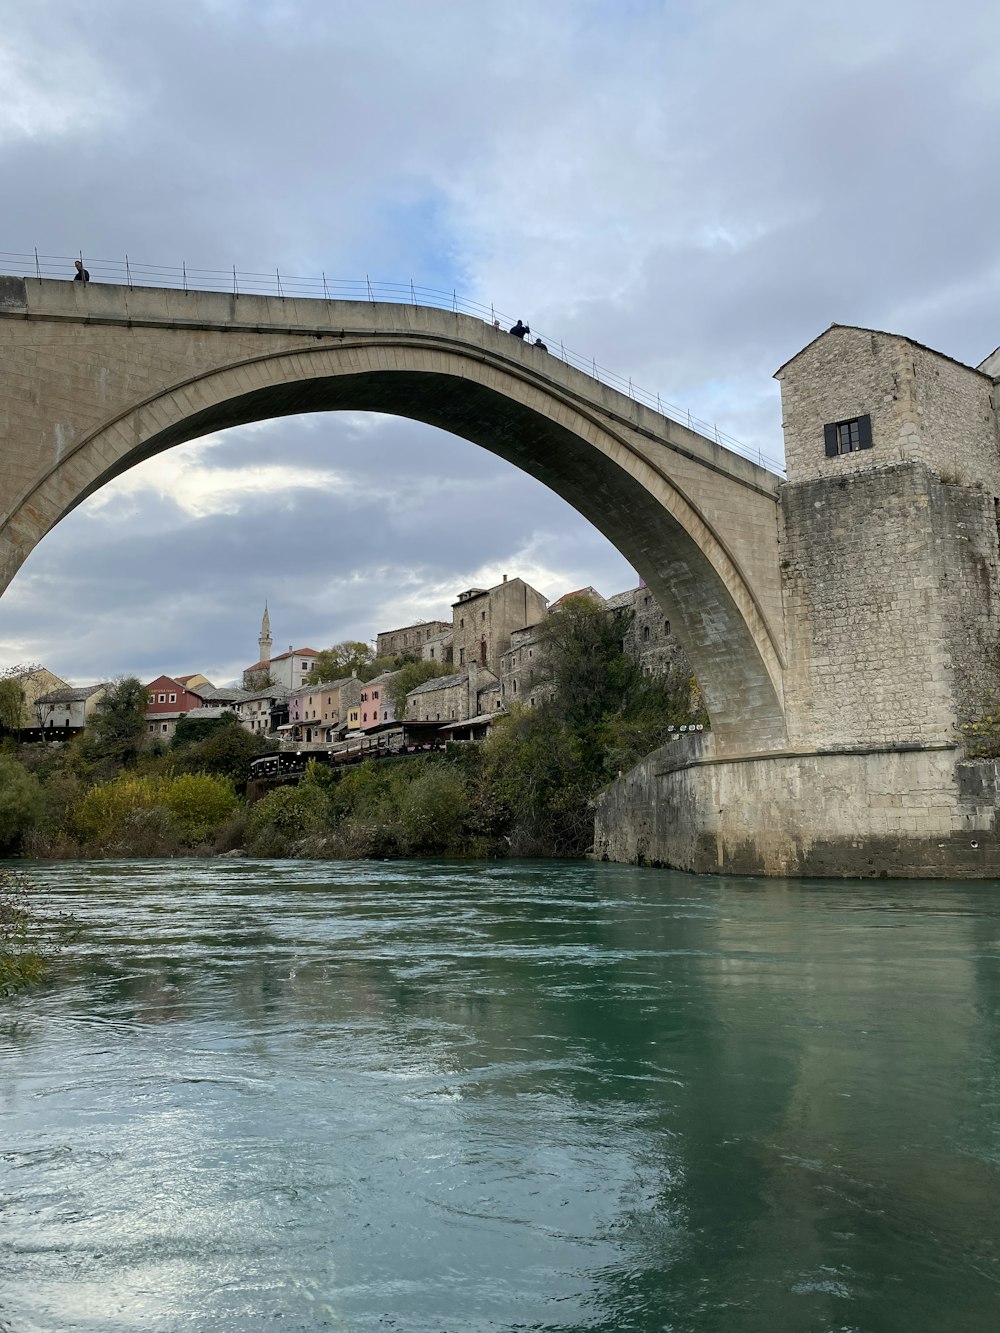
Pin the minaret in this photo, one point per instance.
(264, 642)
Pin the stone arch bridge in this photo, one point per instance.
(97, 378)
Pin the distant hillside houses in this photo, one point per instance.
(497, 643)
(491, 653)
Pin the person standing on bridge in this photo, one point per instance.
(82, 275)
(540, 345)
(520, 330)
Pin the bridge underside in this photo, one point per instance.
(699, 526)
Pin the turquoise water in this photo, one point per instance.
(516, 1096)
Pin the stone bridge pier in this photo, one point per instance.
(888, 560)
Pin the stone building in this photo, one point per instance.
(889, 560)
(256, 711)
(439, 647)
(888, 541)
(409, 639)
(68, 708)
(32, 684)
(650, 639)
(466, 694)
(483, 620)
(523, 677)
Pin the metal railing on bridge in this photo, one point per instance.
(133, 273)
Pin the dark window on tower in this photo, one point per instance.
(847, 437)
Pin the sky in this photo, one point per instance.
(687, 191)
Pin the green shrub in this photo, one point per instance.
(103, 814)
(433, 810)
(27, 944)
(21, 803)
(199, 803)
(284, 817)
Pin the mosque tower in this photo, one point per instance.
(264, 642)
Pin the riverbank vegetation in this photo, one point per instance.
(525, 791)
(28, 942)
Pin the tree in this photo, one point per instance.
(20, 802)
(379, 665)
(12, 694)
(339, 661)
(542, 767)
(199, 803)
(191, 729)
(259, 679)
(227, 753)
(591, 674)
(118, 726)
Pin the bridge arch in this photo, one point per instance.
(589, 447)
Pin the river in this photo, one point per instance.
(452, 1097)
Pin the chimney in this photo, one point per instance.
(505, 578)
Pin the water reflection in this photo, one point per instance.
(500, 1096)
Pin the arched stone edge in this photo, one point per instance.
(126, 429)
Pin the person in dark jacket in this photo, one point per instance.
(82, 274)
(520, 330)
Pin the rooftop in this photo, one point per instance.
(440, 683)
(69, 694)
(881, 333)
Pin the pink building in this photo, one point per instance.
(374, 702)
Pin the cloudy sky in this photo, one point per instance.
(686, 190)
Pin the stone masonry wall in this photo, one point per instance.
(923, 406)
(892, 597)
(921, 813)
(492, 617)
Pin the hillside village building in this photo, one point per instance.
(319, 713)
(483, 619)
(32, 685)
(410, 639)
(68, 708)
(289, 669)
(455, 698)
(438, 648)
(259, 711)
(649, 640)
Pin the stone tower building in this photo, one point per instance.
(889, 559)
(888, 542)
(264, 642)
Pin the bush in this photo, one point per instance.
(22, 958)
(199, 804)
(285, 817)
(433, 810)
(104, 812)
(21, 803)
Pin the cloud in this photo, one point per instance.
(685, 192)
